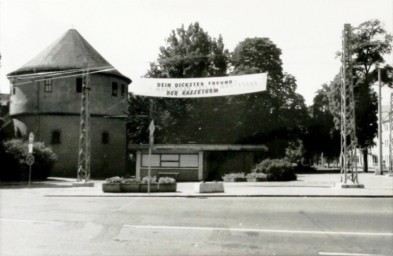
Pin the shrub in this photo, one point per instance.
(304, 169)
(166, 180)
(230, 177)
(145, 180)
(276, 169)
(130, 181)
(14, 157)
(257, 175)
(114, 180)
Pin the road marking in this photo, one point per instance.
(347, 254)
(228, 229)
(30, 221)
(261, 230)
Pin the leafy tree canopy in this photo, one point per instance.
(188, 53)
(370, 43)
(269, 118)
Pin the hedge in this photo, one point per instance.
(276, 169)
(13, 157)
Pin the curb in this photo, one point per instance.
(227, 196)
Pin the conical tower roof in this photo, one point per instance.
(70, 51)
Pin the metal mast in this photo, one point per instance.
(84, 133)
(348, 158)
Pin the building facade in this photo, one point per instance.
(195, 162)
(46, 97)
(374, 151)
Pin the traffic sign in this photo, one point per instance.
(152, 127)
(30, 159)
(31, 138)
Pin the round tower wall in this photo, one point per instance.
(61, 133)
(107, 96)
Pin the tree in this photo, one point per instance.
(256, 55)
(322, 134)
(295, 152)
(370, 42)
(188, 53)
(271, 117)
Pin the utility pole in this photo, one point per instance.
(83, 173)
(348, 159)
(391, 136)
(380, 155)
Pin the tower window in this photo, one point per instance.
(114, 89)
(56, 137)
(13, 90)
(48, 85)
(105, 138)
(123, 89)
(78, 84)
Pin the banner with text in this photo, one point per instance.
(199, 87)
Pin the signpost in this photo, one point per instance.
(151, 141)
(30, 157)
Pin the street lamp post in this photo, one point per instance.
(380, 155)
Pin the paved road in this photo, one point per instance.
(37, 225)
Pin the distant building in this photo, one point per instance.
(374, 151)
(46, 97)
(4, 104)
(5, 120)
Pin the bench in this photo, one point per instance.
(168, 174)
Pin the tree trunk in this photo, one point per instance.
(365, 157)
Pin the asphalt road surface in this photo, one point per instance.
(37, 225)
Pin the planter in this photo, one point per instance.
(130, 188)
(256, 179)
(153, 187)
(111, 187)
(209, 187)
(167, 187)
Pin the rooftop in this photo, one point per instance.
(70, 51)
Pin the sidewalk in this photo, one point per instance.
(307, 185)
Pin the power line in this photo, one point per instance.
(54, 73)
(67, 76)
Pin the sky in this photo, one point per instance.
(128, 33)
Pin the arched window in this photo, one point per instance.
(56, 135)
(123, 89)
(105, 138)
(78, 84)
(48, 85)
(114, 89)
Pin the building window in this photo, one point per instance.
(48, 85)
(105, 138)
(114, 89)
(79, 84)
(171, 160)
(123, 89)
(375, 160)
(56, 137)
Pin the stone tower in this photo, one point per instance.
(46, 97)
